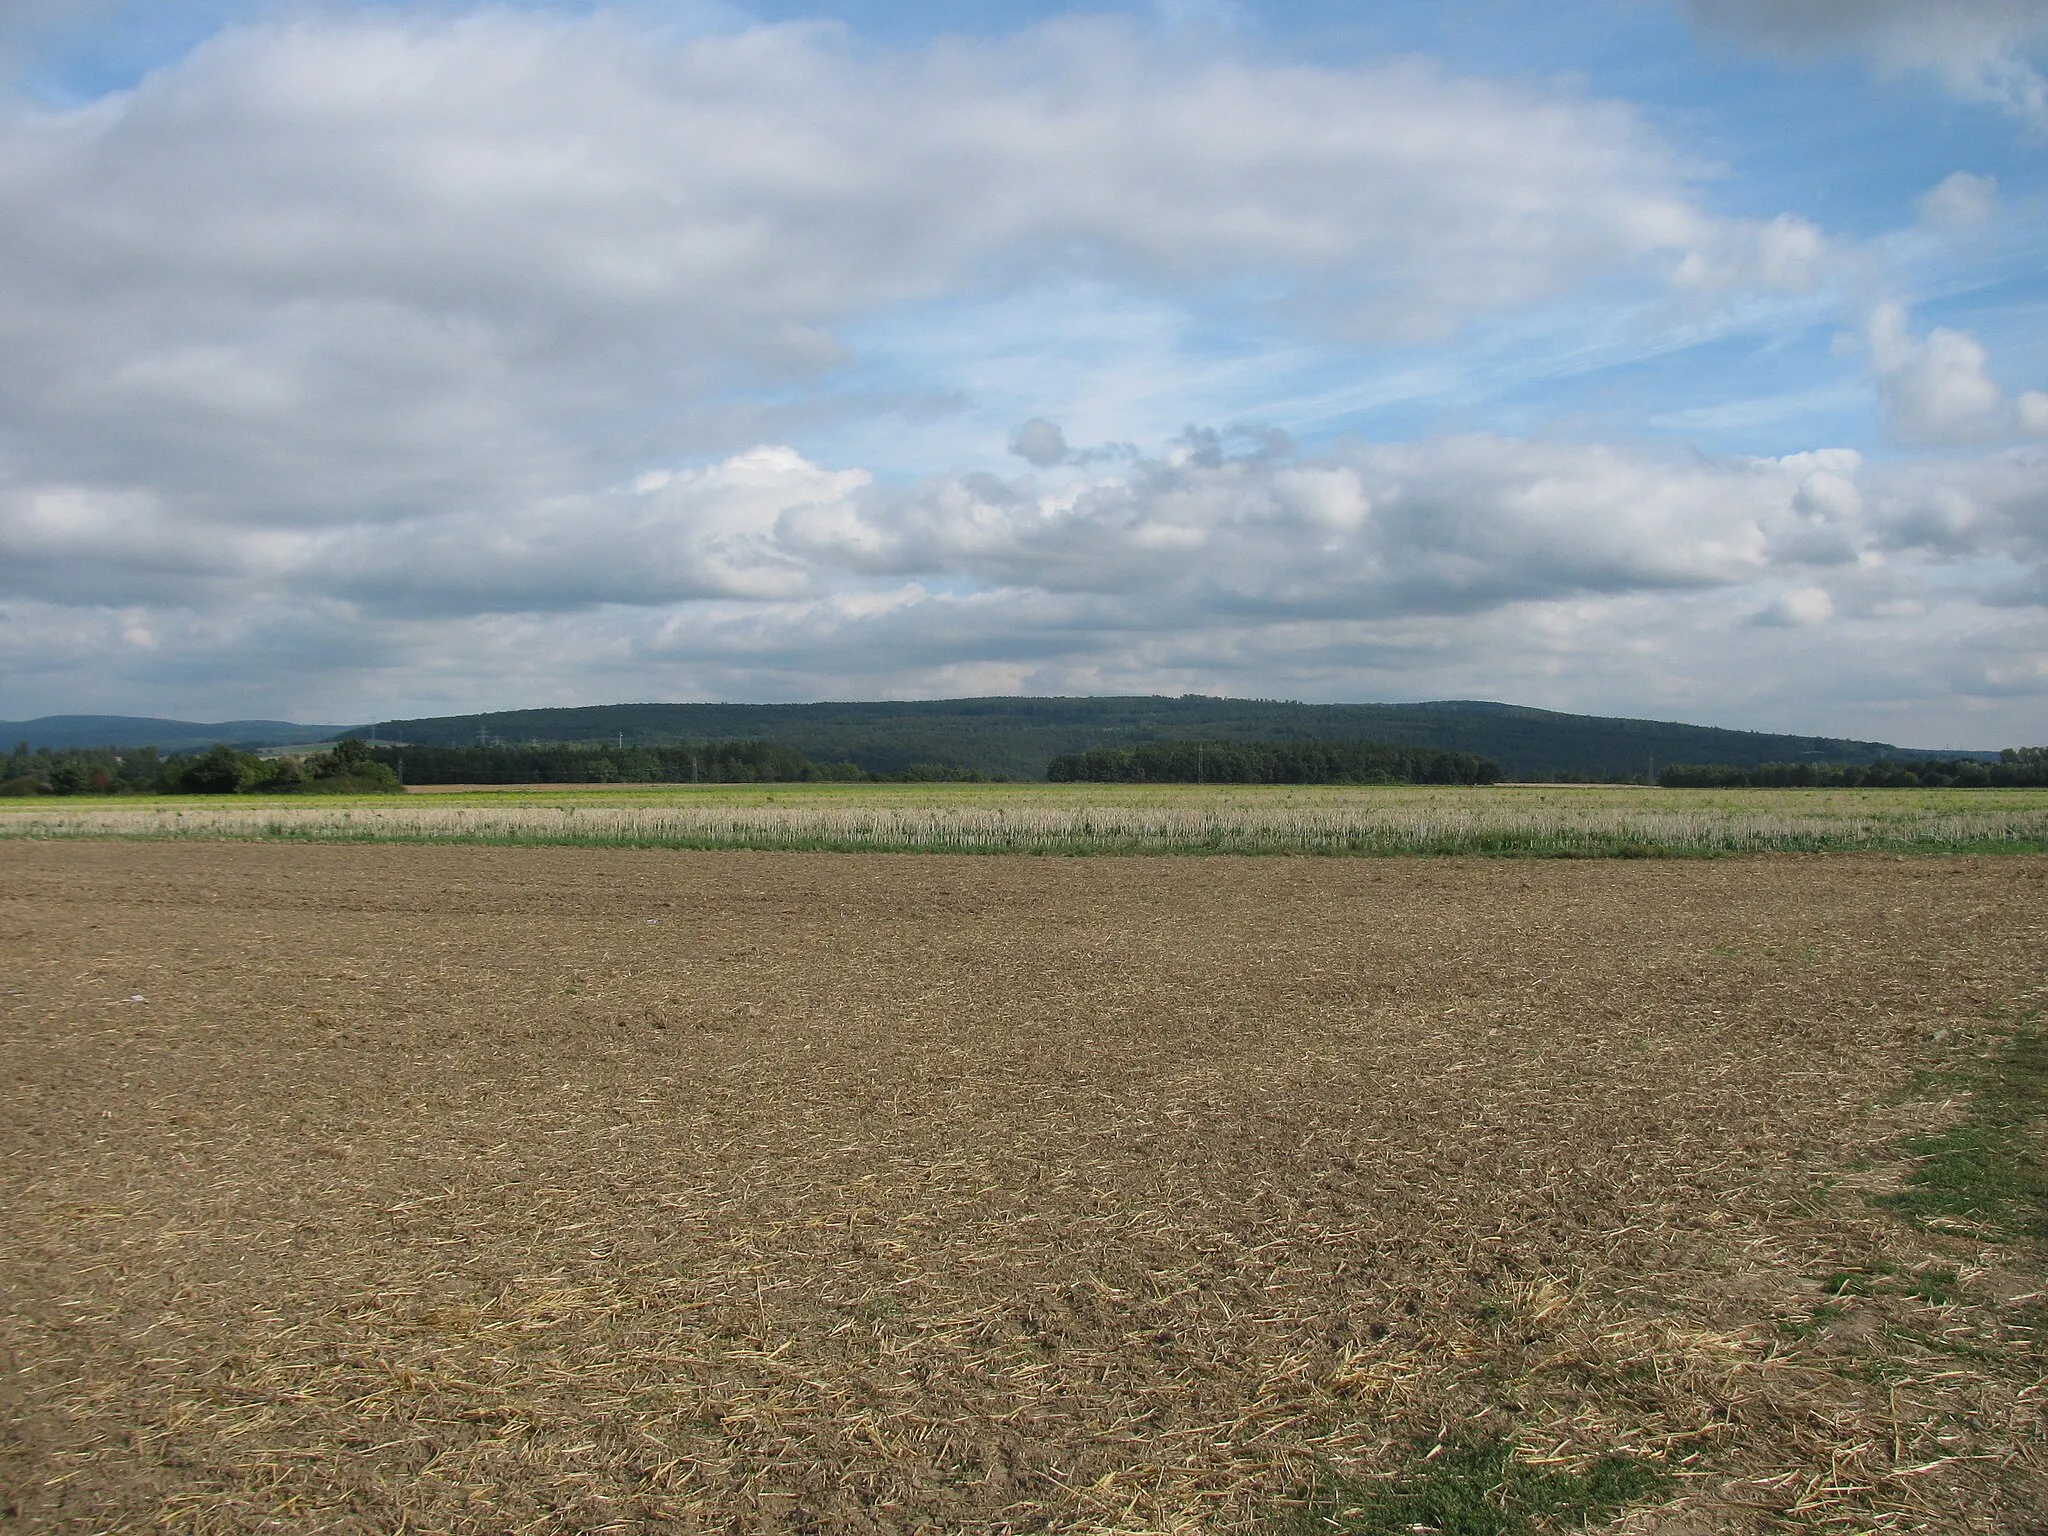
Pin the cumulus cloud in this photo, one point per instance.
(1454, 525)
(1937, 388)
(1991, 508)
(769, 575)
(1460, 565)
(1981, 50)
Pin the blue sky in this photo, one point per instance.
(1674, 359)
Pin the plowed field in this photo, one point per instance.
(482, 1189)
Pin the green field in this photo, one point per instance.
(1528, 820)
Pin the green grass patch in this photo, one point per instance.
(1857, 1282)
(1806, 1327)
(1989, 1169)
(1936, 1287)
(1477, 1488)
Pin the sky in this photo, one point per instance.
(1684, 359)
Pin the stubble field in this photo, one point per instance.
(372, 1187)
(1571, 821)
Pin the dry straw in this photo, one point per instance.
(479, 1190)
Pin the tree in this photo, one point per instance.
(220, 770)
(350, 770)
(282, 775)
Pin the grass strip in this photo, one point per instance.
(1988, 1169)
(1477, 1488)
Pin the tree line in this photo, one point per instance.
(349, 769)
(2016, 768)
(724, 762)
(706, 762)
(355, 767)
(1272, 762)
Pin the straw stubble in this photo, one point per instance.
(561, 1190)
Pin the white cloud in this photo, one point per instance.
(341, 266)
(1785, 253)
(715, 532)
(1457, 525)
(1960, 201)
(1937, 388)
(1981, 50)
(1993, 508)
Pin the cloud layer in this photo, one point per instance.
(768, 575)
(345, 267)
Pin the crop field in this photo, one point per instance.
(1097, 818)
(380, 1186)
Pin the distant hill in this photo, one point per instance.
(1019, 736)
(164, 735)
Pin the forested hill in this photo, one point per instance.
(61, 731)
(1019, 736)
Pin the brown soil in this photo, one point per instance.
(369, 1188)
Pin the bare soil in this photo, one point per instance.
(487, 1189)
